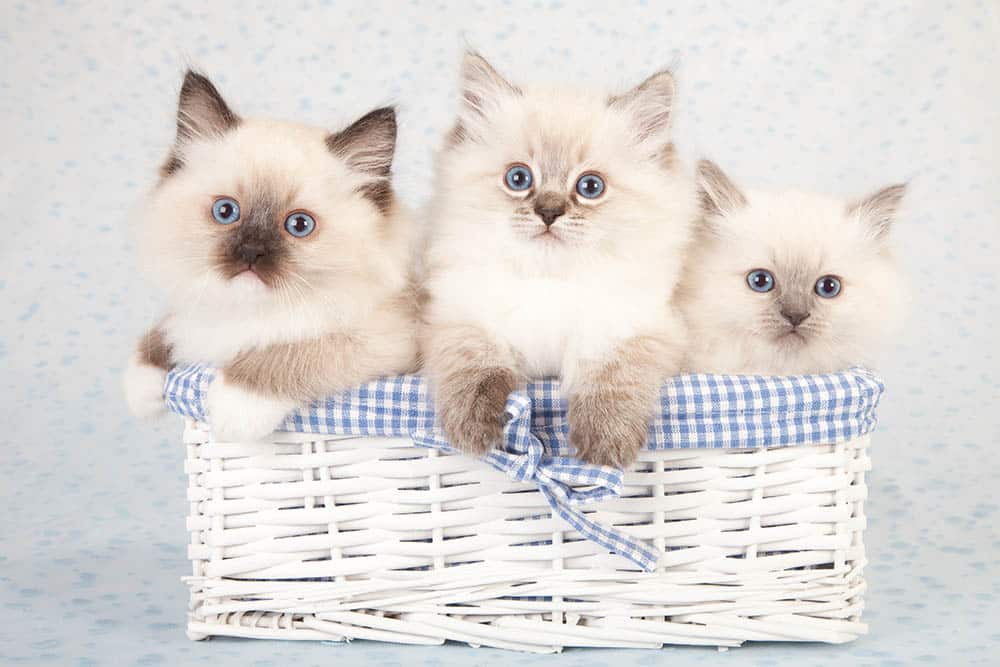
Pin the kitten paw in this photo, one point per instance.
(239, 415)
(472, 409)
(143, 385)
(606, 432)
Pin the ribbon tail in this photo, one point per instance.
(612, 540)
(563, 475)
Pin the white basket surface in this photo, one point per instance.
(338, 537)
(373, 538)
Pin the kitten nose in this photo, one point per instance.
(549, 215)
(251, 253)
(796, 317)
(548, 207)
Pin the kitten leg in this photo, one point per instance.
(257, 390)
(145, 375)
(472, 378)
(613, 400)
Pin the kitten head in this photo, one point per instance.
(542, 175)
(257, 213)
(791, 282)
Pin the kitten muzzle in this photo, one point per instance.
(549, 207)
(252, 253)
(257, 250)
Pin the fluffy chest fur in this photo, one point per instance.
(552, 322)
(218, 339)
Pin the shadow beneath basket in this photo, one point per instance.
(364, 652)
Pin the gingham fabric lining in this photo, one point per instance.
(696, 411)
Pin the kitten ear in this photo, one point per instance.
(650, 104)
(482, 88)
(482, 85)
(369, 143)
(878, 210)
(717, 193)
(201, 111)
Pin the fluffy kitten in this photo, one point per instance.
(556, 235)
(283, 253)
(788, 283)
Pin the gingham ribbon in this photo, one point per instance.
(696, 411)
(524, 458)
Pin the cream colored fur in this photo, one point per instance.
(553, 306)
(799, 237)
(346, 281)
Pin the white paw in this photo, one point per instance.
(239, 415)
(143, 386)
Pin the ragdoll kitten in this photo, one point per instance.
(555, 242)
(789, 283)
(283, 254)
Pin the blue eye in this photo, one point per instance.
(828, 287)
(225, 211)
(518, 178)
(760, 280)
(590, 186)
(300, 224)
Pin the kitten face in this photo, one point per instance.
(260, 213)
(790, 282)
(546, 176)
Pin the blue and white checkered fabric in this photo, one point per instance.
(696, 411)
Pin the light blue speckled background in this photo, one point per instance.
(837, 96)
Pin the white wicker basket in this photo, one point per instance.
(334, 538)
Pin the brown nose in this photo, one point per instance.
(251, 253)
(795, 317)
(549, 206)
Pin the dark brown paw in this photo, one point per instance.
(606, 432)
(471, 408)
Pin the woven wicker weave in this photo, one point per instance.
(373, 538)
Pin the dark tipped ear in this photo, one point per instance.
(369, 143)
(878, 210)
(717, 193)
(650, 104)
(201, 111)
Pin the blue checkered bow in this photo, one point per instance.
(524, 458)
